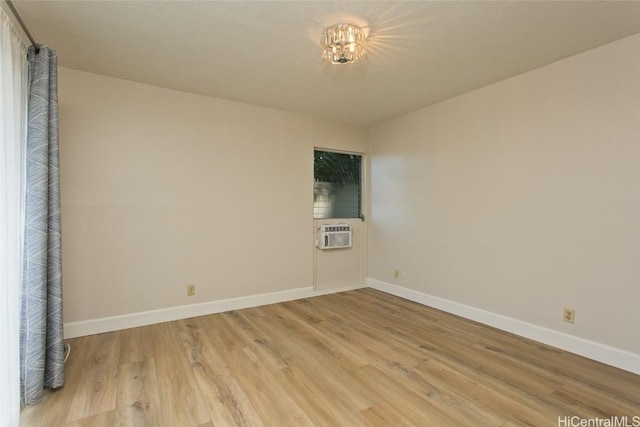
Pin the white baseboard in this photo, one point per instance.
(593, 350)
(115, 323)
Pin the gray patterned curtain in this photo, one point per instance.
(41, 338)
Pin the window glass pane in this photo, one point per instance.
(337, 185)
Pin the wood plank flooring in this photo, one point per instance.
(358, 358)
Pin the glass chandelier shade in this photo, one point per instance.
(343, 44)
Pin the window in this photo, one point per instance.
(337, 186)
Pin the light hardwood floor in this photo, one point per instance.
(359, 358)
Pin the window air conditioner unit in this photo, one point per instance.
(334, 236)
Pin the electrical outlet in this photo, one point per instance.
(191, 290)
(398, 274)
(569, 315)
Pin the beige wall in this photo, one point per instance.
(162, 188)
(341, 268)
(521, 198)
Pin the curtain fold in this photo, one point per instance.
(13, 78)
(41, 335)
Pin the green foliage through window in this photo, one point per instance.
(337, 185)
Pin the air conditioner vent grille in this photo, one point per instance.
(334, 236)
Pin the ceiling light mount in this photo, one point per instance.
(343, 44)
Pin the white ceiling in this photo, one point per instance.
(267, 53)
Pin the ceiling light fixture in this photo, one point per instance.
(343, 44)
